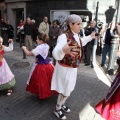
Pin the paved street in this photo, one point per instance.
(92, 86)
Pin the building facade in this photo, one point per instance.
(2, 10)
(57, 9)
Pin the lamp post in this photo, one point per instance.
(22, 44)
(96, 16)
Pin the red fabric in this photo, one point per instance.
(111, 111)
(40, 82)
(1, 56)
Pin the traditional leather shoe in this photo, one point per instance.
(102, 65)
(59, 114)
(65, 108)
(87, 64)
(92, 66)
(9, 92)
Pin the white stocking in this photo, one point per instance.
(60, 101)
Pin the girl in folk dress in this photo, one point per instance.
(109, 108)
(7, 80)
(41, 74)
(68, 53)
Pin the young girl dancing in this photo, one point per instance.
(7, 80)
(39, 81)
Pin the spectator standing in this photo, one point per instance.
(4, 32)
(44, 27)
(29, 30)
(107, 40)
(53, 35)
(10, 30)
(35, 33)
(92, 45)
(18, 29)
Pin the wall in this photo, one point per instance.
(11, 12)
(3, 10)
(37, 10)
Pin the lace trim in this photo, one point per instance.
(115, 114)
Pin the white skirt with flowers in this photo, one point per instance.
(7, 79)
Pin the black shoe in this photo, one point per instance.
(92, 66)
(59, 114)
(102, 65)
(87, 64)
(65, 108)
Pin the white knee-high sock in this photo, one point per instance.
(60, 101)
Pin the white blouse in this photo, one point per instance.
(9, 48)
(42, 50)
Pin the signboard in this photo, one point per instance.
(61, 16)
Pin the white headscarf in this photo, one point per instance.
(73, 18)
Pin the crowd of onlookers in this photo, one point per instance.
(28, 31)
(7, 27)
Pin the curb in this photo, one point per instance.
(107, 75)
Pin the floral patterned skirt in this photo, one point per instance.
(110, 110)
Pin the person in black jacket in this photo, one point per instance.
(10, 30)
(107, 39)
(92, 45)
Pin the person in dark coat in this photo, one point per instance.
(10, 30)
(92, 45)
(53, 34)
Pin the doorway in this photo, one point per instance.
(19, 15)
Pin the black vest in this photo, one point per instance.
(108, 37)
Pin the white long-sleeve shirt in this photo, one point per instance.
(58, 53)
(9, 48)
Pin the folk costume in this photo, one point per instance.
(7, 79)
(65, 72)
(39, 81)
(109, 108)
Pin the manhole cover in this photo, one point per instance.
(21, 65)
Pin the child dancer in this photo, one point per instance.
(7, 80)
(41, 74)
(68, 53)
(109, 108)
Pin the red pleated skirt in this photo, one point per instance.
(40, 82)
(110, 110)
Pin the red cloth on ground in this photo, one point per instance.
(40, 82)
